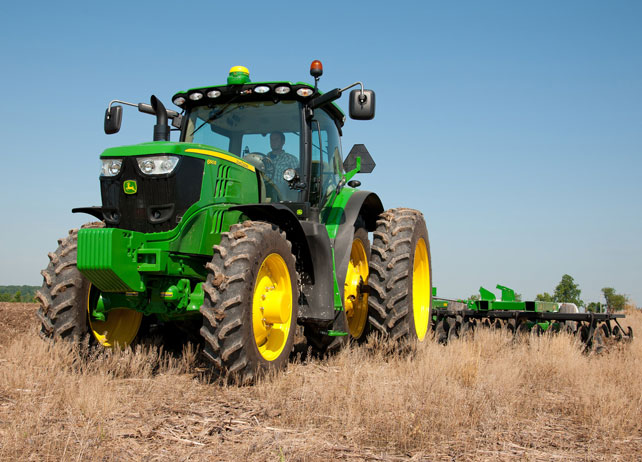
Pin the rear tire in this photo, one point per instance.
(400, 298)
(251, 301)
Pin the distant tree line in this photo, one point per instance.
(568, 291)
(16, 294)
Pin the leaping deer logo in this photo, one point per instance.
(130, 187)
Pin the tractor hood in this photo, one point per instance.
(200, 151)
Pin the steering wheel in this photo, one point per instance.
(260, 161)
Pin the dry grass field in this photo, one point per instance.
(487, 398)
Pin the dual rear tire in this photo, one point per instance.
(400, 276)
(388, 286)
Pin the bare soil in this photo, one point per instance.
(487, 398)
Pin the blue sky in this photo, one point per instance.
(516, 127)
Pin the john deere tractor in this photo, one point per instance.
(250, 225)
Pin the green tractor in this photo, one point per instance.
(250, 227)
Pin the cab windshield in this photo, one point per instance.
(264, 134)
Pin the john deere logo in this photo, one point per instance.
(130, 187)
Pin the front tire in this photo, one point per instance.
(251, 301)
(401, 276)
(67, 298)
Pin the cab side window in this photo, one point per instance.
(326, 157)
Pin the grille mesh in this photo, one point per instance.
(160, 201)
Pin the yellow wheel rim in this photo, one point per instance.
(120, 326)
(354, 299)
(272, 307)
(421, 289)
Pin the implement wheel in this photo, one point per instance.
(400, 276)
(251, 301)
(67, 299)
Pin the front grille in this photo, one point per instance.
(160, 201)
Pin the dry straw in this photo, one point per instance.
(485, 398)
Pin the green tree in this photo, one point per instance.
(545, 297)
(567, 291)
(615, 301)
(17, 297)
(594, 307)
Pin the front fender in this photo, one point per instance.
(312, 250)
(285, 219)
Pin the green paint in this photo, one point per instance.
(508, 295)
(167, 298)
(348, 176)
(336, 333)
(238, 78)
(162, 273)
(338, 303)
(332, 214)
(116, 260)
(488, 302)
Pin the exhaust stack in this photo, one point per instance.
(161, 129)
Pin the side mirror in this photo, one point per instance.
(362, 106)
(113, 119)
(367, 163)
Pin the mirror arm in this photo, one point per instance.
(362, 97)
(121, 102)
(145, 108)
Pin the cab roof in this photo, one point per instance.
(250, 91)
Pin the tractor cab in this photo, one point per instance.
(290, 132)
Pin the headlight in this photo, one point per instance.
(111, 167)
(157, 165)
(289, 174)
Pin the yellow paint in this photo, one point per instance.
(272, 307)
(119, 328)
(211, 162)
(355, 301)
(241, 69)
(227, 157)
(421, 289)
